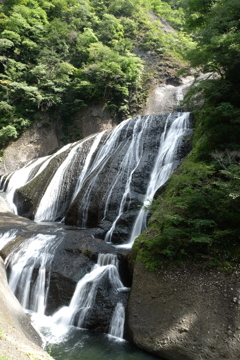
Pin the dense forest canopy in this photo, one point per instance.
(60, 56)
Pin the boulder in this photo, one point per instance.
(185, 313)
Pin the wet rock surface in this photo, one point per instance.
(75, 255)
(100, 315)
(185, 313)
(19, 340)
(98, 202)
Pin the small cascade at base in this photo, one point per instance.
(29, 270)
(85, 293)
(117, 324)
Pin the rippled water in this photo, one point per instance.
(84, 345)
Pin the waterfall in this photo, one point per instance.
(85, 293)
(163, 168)
(21, 177)
(105, 180)
(18, 179)
(130, 162)
(116, 328)
(100, 162)
(33, 255)
(87, 163)
(50, 207)
(4, 181)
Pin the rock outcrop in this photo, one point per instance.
(185, 313)
(40, 140)
(107, 193)
(18, 339)
(75, 254)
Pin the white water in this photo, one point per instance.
(49, 204)
(130, 162)
(7, 238)
(87, 164)
(57, 326)
(47, 207)
(4, 180)
(163, 168)
(50, 157)
(100, 161)
(116, 328)
(85, 292)
(20, 178)
(34, 254)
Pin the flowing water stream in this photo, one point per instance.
(140, 169)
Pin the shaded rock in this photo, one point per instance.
(100, 315)
(75, 256)
(185, 313)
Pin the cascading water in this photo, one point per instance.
(87, 163)
(7, 238)
(85, 294)
(18, 179)
(117, 324)
(105, 181)
(48, 206)
(35, 254)
(163, 168)
(130, 161)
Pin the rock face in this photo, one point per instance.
(44, 136)
(18, 338)
(185, 313)
(40, 140)
(166, 98)
(93, 119)
(75, 254)
(101, 181)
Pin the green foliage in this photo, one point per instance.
(60, 55)
(7, 132)
(2, 335)
(198, 217)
